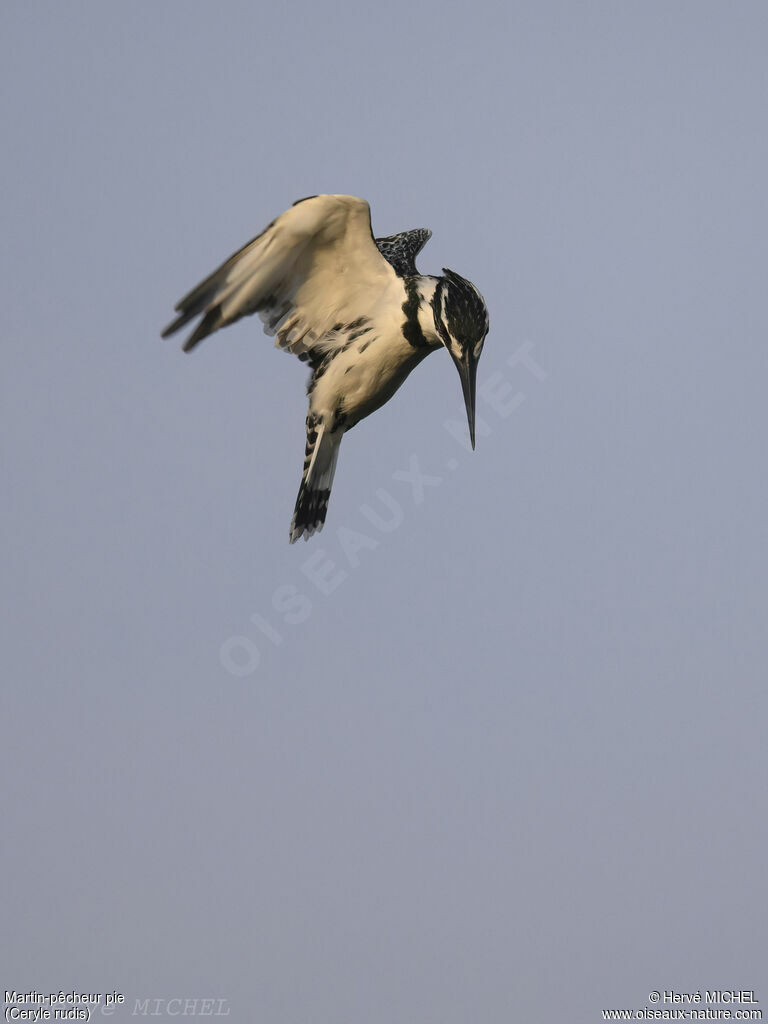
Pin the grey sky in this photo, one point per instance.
(513, 768)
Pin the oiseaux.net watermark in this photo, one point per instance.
(703, 1004)
(500, 395)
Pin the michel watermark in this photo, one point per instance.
(72, 1004)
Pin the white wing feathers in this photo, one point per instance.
(314, 268)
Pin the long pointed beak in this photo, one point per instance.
(467, 367)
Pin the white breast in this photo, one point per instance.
(367, 374)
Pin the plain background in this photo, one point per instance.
(513, 766)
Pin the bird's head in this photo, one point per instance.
(461, 321)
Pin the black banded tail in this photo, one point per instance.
(319, 466)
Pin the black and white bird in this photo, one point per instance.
(354, 307)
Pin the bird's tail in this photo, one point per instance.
(319, 466)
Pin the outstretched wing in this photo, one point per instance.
(309, 273)
(401, 250)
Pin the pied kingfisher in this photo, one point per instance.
(354, 307)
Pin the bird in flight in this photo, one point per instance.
(352, 306)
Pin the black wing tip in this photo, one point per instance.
(186, 312)
(421, 235)
(401, 250)
(210, 323)
(171, 328)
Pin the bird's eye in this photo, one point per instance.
(479, 347)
